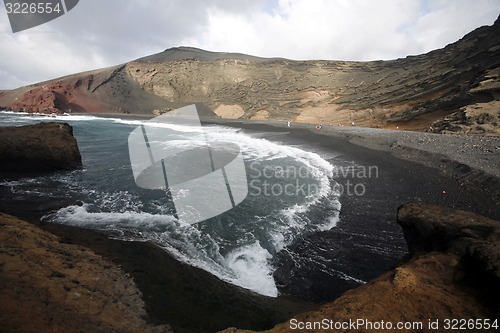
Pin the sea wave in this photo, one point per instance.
(246, 266)
(237, 246)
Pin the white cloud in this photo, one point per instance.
(449, 20)
(100, 33)
(346, 30)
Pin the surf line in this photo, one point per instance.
(223, 169)
(167, 188)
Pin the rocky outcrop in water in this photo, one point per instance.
(453, 271)
(411, 93)
(38, 148)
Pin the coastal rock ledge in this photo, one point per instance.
(452, 272)
(38, 148)
(47, 285)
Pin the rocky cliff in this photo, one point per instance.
(456, 88)
(453, 272)
(49, 286)
(38, 148)
(52, 283)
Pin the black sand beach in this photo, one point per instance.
(366, 242)
(367, 220)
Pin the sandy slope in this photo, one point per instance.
(412, 93)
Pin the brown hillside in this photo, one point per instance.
(456, 88)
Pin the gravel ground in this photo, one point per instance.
(480, 153)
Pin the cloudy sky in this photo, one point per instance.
(101, 33)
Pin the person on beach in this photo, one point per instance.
(318, 127)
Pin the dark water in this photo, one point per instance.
(292, 193)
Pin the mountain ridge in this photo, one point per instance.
(453, 89)
(193, 53)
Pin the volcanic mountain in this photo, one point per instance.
(456, 88)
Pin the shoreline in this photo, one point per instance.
(474, 151)
(395, 140)
(470, 160)
(400, 180)
(359, 225)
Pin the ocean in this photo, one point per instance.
(292, 193)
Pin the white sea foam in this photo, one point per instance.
(247, 264)
(331, 222)
(21, 181)
(264, 150)
(159, 124)
(13, 113)
(251, 265)
(77, 118)
(80, 216)
(28, 118)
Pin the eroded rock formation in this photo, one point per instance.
(453, 272)
(38, 148)
(49, 286)
(411, 93)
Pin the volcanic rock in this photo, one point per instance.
(479, 118)
(433, 228)
(50, 286)
(38, 148)
(453, 271)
